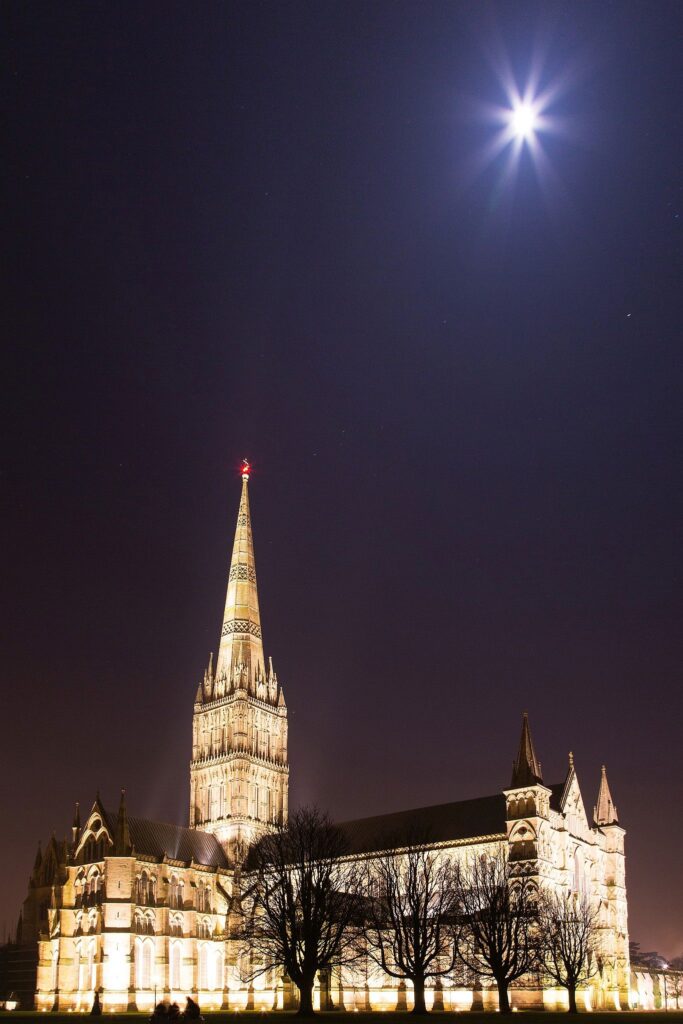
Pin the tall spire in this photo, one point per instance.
(605, 813)
(240, 641)
(526, 770)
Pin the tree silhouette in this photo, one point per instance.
(499, 938)
(567, 929)
(411, 913)
(299, 909)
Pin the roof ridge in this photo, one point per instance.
(425, 807)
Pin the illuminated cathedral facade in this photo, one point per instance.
(142, 911)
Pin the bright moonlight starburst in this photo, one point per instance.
(523, 120)
(524, 123)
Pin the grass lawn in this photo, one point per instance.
(672, 1017)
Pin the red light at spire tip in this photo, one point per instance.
(246, 469)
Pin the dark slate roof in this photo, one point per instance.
(556, 793)
(159, 838)
(465, 819)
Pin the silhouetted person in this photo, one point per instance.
(160, 1013)
(174, 1012)
(96, 1008)
(192, 1011)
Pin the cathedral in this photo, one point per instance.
(140, 910)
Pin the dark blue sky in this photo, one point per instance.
(248, 229)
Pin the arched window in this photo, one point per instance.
(141, 884)
(85, 955)
(264, 809)
(55, 967)
(80, 888)
(175, 900)
(90, 965)
(217, 969)
(176, 924)
(579, 881)
(203, 967)
(175, 966)
(144, 949)
(146, 889)
(204, 897)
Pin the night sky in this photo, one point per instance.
(265, 229)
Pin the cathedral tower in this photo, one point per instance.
(239, 772)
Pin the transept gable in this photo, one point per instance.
(571, 803)
(97, 835)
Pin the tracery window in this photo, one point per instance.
(85, 953)
(203, 967)
(204, 897)
(579, 880)
(176, 893)
(92, 889)
(144, 953)
(217, 980)
(175, 965)
(145, 889)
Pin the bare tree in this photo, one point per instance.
(567, 940)
(299, 903)
(499, 940)
(411, 920)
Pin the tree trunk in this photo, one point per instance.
(572, 999)
(419, 992)
(503, 998)
(306, 999)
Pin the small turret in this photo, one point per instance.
(604, 812)
(526, 770)
(76, 826)
(122, 843)
(39, 859)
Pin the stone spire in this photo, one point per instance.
(240, 643)
(605, 813)
(526, 770)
